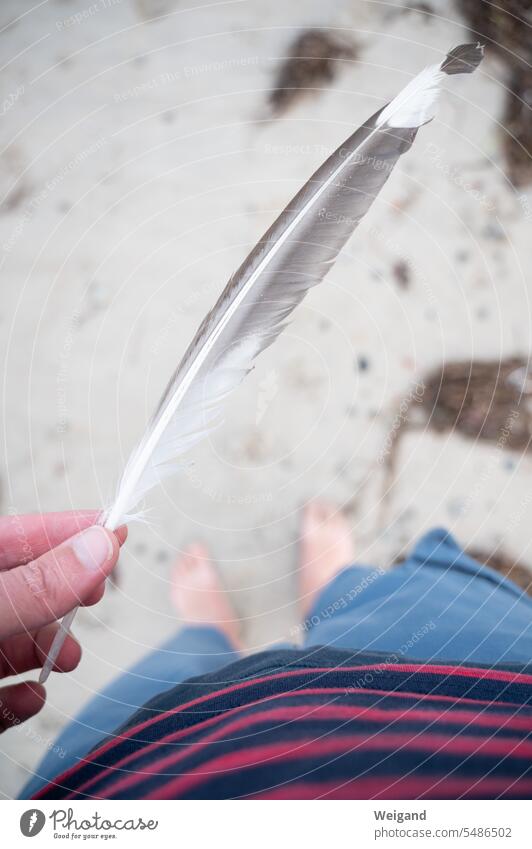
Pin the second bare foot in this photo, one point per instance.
(326, 548)
(199, 596)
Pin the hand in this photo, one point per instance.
(47, 567)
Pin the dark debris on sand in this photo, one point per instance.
(401, 273)
(482, 400)
(517, 123)
(503, 27)
(487, 400)
(506, 30)
(312, 63)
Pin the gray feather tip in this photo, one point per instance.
(463, 59)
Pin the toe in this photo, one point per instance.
(205, 575)
(311, 516)
(194, 570)
(316, 514)
(200, 551)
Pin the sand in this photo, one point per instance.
(139, 164)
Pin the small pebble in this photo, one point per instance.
(455, 507)
(401, 273)
(494, 231)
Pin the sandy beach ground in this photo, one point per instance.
(139, 163)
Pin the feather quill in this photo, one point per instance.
(294, 255)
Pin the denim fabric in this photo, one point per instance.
(439, 604)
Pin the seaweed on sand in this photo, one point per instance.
(506, 30)
(487, 400)
(311, 63)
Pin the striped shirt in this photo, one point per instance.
(321, 723)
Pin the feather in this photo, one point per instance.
(294, 255)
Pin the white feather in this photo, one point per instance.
(293, 256)
(416, 103)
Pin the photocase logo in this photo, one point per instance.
(32, 822)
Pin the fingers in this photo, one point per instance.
(95, 595)
(28, 651)
(38, 593)
(121, 534)
(18, 702)
(24, 538)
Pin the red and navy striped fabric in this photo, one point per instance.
(331, 724)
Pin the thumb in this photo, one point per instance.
(37, 593)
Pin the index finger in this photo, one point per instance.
(24, 538)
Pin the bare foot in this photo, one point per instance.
(326, 548)
(198, 594)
